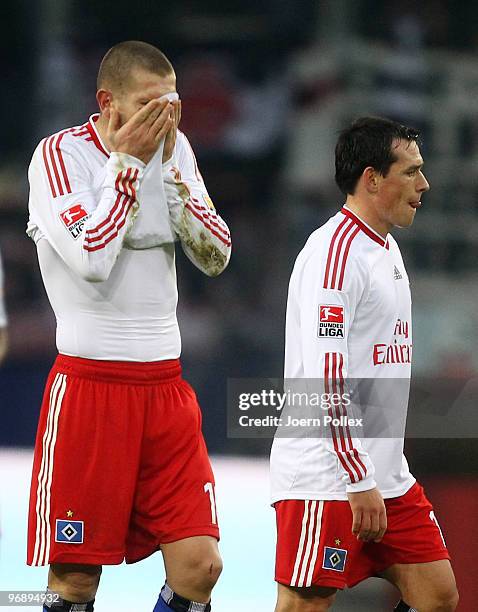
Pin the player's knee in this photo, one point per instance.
(446, 600)
(205, 570)
(74, 582)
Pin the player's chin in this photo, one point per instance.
(406, 218)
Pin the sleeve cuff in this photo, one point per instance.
(363, 485)
(121, 161)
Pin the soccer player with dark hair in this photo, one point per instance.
(120, 466)
(347, 506)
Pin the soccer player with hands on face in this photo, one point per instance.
(121, 468)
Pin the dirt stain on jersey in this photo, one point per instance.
(208, 257)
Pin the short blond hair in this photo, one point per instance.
(116, 65)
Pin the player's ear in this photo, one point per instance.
(104, 98)
(370, 179)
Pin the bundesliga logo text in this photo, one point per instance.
(74, 218)
(331, 321)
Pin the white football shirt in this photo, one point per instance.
(105, 225)
(348, 318)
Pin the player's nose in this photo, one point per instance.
(423, 185)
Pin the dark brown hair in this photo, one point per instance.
(367, 142)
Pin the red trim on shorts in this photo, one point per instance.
(413, 536)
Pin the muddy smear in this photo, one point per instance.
(207, 256)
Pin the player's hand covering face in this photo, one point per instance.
(170, 141)
(138, 119)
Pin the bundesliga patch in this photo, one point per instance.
(331, 321)
(69, 532)
(74, 218)
(334, 559)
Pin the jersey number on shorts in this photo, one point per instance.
(208, 488)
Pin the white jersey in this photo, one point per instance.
(348, 317)
(105, 226)
(3, 311)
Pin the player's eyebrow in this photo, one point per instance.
(414, 167)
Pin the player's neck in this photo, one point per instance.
(100, 126)
(366, 212)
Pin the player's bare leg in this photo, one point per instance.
(193, 566)
(74, 582)
(304, 599)
(428, 587)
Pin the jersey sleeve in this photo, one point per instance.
(204, 236)
(327, 311)
(85, 226)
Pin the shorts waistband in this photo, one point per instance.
(143, 373)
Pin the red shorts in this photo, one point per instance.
(315, 545)
(120, 464)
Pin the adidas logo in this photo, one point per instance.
(396, 273)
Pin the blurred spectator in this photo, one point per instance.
(3, 318)
(208, 89)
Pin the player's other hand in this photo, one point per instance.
(170, 141)
(369, 515)
(141, 134)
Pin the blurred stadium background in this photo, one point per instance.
(266, 85)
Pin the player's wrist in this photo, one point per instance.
(366, 484)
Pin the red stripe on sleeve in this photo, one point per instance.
(213, 220)
(119, 204)
(347, 428)
(124, 201)
(331, 250)
(346, 254)
(332, 427)
(347, 453)
(206, 224)
(45, 161)
(129, 203)
(345, 449)
(351, 451)
(120, 186)
(62, 163)
(338, 253)
(53, 163)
